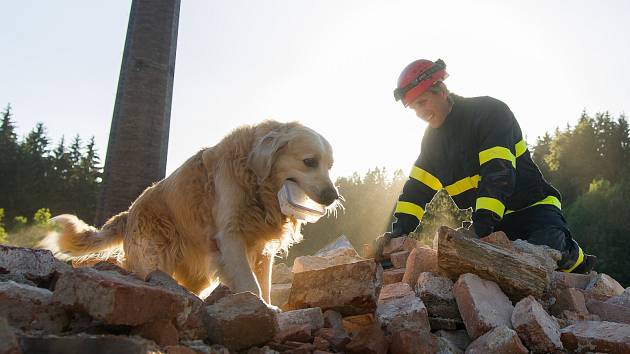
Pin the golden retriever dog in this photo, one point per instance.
(217, 217)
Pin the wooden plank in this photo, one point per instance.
(518, 274)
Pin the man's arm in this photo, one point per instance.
(417, 192)
(498, 134)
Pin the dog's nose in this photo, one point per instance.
(328, 196)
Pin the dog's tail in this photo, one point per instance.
(75, 238)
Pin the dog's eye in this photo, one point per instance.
(310, 162)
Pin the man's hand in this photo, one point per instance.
(380, 244)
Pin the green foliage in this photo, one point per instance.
(20, 221)
(589, 164)
(66, 179)
(25, 234)
(3, 232)
(596, 148)
(41, 216)
(599, 222)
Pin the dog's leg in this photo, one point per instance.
(262, 269)
(235, 270)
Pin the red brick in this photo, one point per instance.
(162, 332)
(29, 308)
(189, 324)
(421, 259)
(359, 281)
(400, 309)
(8, 340)
(217, 294)
(605, 285)
(499, 340)
(93, 344)
(338, 338)
(393, 275)
(448, 324)
(333, 319)
(354, 324)
(569, 299)
(413, 342)
(500, 239)
(590, 336)
(370, 340)
(117, 299)
(178, 349)
(295, 333)
(240, 321)
(399, 259)
(539, 331)
(321, 343)
(311, 316)
(437, 295)
(398, 244)
(482, 305)
(609, 311)
(621, 300)
(562, 280)
(459, 337)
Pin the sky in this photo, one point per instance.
(331, 65)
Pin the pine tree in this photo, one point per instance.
(8, 160)
(33, 173)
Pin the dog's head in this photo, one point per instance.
(295, 152)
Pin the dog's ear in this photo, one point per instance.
(264, 153)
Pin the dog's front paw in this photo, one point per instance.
(274, 308)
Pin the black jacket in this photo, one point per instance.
(479, 156)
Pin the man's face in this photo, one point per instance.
(431, 107)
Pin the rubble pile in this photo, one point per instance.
(467, 296)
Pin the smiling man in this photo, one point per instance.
(474, 149)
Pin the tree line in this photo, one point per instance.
(34, 174)
(588, 162)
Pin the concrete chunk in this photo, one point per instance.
(36, 265)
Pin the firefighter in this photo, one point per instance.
(474, 148)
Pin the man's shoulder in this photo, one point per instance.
(483, 101)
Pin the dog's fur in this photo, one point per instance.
(217, 217)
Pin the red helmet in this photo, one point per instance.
(417, 77)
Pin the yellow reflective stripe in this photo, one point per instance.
(491, 204)
(425, 177)
(463, 185)
(577, 263)
(520, 148)
(497, 152)
(410, 208)
(550, 200)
